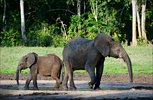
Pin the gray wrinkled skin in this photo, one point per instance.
(84, 54)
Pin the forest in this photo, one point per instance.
(55, 22)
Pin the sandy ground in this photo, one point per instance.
(112, 88)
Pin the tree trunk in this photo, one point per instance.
(138, 21)
(79, 7)
(143, 19)
(4, 16)
(79, 13)
(134, 10)
(94, 9)
(22, 19)
(84, 4)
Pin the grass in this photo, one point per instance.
(141, 58)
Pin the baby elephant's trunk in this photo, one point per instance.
(17, 75)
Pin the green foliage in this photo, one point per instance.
(141, 42)
(58, 41)
(47, 35)
(114, 17)
(89, 28)
(10, 38)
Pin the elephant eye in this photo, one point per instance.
(118, 50)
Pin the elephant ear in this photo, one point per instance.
(34, 53)
(102, 43)
(30, 59)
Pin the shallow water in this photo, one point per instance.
(44, 88)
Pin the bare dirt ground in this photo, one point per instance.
(114, 86)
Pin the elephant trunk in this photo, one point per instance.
(17, 75)
(126, 58)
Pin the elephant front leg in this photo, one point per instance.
(99, 72)
(26, 87)
(91, 71)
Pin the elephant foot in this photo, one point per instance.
(90, 86)
(73, 88)
(35, 88)
(63, 88)
(26, 88)
(57, 87)
(97, 88)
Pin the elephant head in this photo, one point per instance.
(108, 47)
(25, 62)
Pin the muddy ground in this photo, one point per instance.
(114, 86)
(143, 78)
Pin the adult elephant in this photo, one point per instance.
(80, 54)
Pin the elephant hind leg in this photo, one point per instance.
(55, 75)
(65, 80)
(34, 78)
(72, 86)
(68, 75)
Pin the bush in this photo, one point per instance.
(142, 41)
(45, 35)
(10, 38)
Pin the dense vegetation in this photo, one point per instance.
(55, 22)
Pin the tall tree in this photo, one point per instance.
(94, 8)
(143, 19)
(138, 21)
(79, 13)
(22, 19)
(4, 15)
(79, 7)
(134, 10)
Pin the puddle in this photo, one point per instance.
(52, 88)
(11, 87)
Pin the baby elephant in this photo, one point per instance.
(47, 65)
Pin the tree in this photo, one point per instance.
(22, 19)
(79, 13)
(94, 8)
(4, 16)
(138, 21)
(134, 10)
(143, 19)
(79, 7)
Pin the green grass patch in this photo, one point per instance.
(141, 58)
(10, 56)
